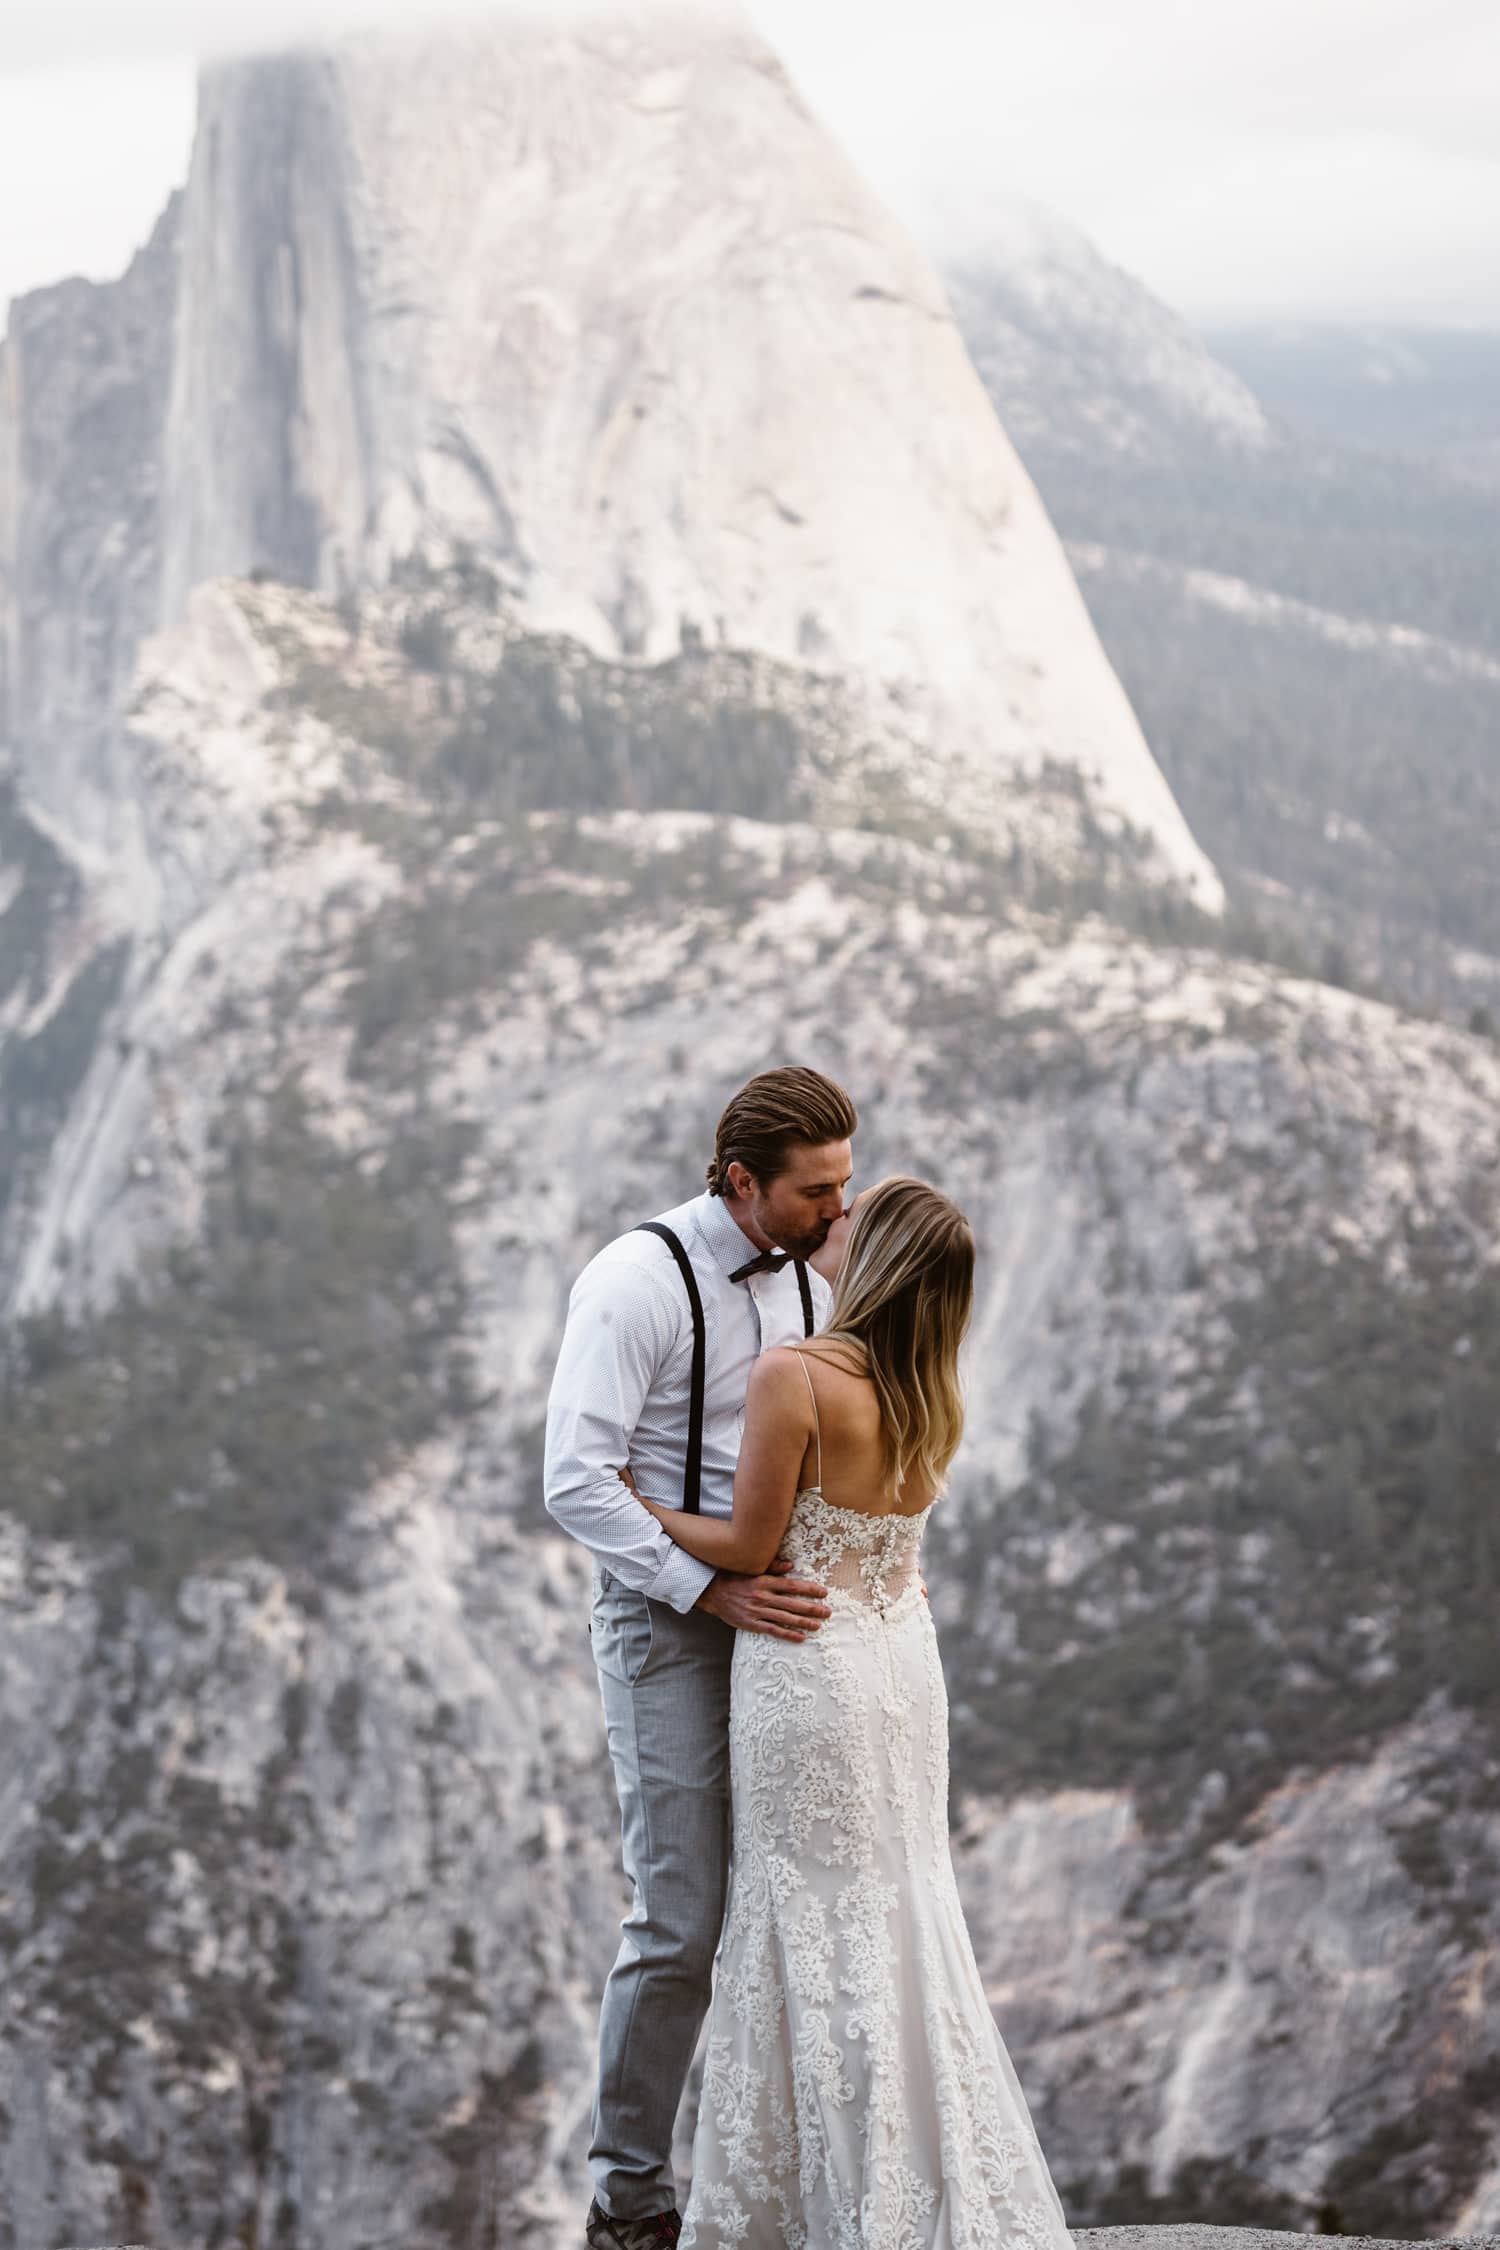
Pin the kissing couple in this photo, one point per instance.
(756, 1402)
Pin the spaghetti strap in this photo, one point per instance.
(817, 1424)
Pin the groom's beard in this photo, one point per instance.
(804, 1244)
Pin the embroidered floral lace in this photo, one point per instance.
(857, 2094)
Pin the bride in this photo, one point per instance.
(856, 2093)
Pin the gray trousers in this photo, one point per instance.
(664, 1680)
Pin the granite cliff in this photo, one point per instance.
(602, 301)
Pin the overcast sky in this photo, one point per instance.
(1335, 159)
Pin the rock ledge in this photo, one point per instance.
(1254, 2238)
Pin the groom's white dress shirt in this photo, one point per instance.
(623, 1387)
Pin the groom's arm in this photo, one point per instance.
(778, 1430)
(621, 1326)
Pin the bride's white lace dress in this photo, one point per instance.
(856, 2093)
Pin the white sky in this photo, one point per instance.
(1335, 159)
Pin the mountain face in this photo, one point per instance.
(392, 934)
(83, 381)
(603, 304)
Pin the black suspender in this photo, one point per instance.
(692, 1468)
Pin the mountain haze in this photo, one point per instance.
(1308, 629)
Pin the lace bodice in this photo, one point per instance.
(871, 1558)
(860, 1557)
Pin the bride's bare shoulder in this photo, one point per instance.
(834, 1352)
(776, 1396)
(777, 1369)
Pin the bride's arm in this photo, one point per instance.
(778, 1424)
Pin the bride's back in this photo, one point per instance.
(855, 1468)
(884, 1372)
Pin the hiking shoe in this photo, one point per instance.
(658, 2232)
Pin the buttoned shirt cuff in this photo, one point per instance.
(680, 1580)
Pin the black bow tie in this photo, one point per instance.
(769, 1261)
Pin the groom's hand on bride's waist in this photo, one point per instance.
(789, 1608)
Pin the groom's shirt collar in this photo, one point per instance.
(723, 1236)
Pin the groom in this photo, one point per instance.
(664, 1325)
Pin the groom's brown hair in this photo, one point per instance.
(777, 1111)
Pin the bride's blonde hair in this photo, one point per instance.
(903, 1296)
